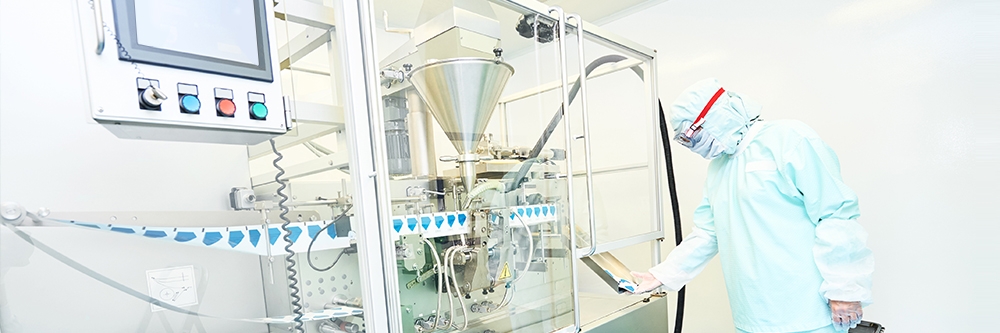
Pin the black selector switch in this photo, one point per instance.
(150, 95)
(187, 98)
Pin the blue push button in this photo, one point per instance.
(258, 111)
(190, 104)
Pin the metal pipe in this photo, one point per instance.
(315, 203)
(420, 124)
(468, 174)
(564, 76)
(588, 164)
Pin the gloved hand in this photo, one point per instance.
(646, 282)
(846, 315)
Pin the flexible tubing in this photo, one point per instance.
(458, 293)
(482, 188)
(664, 137)
(537, 149)
(556, 118)
(437, 266)
(674, 206)
(531, 250)
(447, 286)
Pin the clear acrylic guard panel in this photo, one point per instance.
(455, 153)
(317, 167)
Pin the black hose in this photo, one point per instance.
(664, 137)
(674, 206)
(556, 118)
(517, 177)
(613, 58)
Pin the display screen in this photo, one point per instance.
(223, 29)
(218, 36)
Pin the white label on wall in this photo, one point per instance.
(174, 286)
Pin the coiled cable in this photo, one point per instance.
(293, 281)
(122, 52)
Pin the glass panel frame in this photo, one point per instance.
(643, 60)
(394, 213)
(519, 313)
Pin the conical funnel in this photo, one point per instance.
(462, 93)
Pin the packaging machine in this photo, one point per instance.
(307, 167)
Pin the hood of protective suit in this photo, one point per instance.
(727, 122)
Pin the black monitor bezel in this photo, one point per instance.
(131, 50)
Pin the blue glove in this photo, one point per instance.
(846, 315)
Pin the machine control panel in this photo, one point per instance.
(224, 105)
(258, 110)
(187, 95)
(150, 95)
(161, 77)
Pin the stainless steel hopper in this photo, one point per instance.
(462, 94)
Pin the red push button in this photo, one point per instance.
(226, 107)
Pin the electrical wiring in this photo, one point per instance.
(447, 286)
(506, 300)
(531, 250)
(461, 301)
(437, 267)
(311, 242)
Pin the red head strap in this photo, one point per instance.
(701, 116)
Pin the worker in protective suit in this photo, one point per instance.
(778, 214)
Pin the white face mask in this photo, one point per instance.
(707, 146)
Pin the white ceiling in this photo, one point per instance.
(596, 11)
(403, 13)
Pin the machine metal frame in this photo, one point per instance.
(367, 115)
(348, 30)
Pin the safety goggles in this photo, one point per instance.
(686, 138)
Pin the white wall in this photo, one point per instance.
(52, 154)
(902, 90)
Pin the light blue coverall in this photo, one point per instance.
(778, 214)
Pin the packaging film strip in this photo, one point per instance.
(455, 223)
(249, 239)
